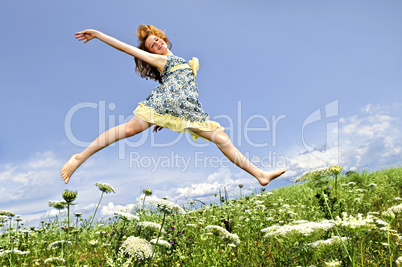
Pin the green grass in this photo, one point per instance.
(368, 242)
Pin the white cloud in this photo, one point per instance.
(371, 139)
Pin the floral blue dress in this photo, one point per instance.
(174, 103)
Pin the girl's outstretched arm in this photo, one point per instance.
(155, 60)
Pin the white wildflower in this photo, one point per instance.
(139, 247)
(355, 223)
(335, 240)
(357, 200)
(302, 228)
(397, 198)
(161, 242)
(269, 193)
(359, 190)
(372, 185)
(154, 226)
(259, 202)
(59, 244)
(396, 209)
(16, 251)
(105, 188)
(351, 184)
(223, 233)
(93, 242)
(127, 216)
(167, 206)
(55, 260)
(398, 261)
(333, 263)
(231, 245)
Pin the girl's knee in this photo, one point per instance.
(220, 138)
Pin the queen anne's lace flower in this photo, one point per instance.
(106, 188)
(396, 209)
(302, 228)
(59, 244)
(127, 216)
(16, 251)
(223, 233)
(55, 260)
(355, 223)
(333, 263)
(167, 206)
(151, 225)
(335, 240)
(138, 247)
(161, 242)
(398, 261)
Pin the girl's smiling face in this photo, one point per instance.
(156, 45)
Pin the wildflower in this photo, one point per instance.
(397, 198)
(355, 223)
(138, 247)
(232, 245)
(127, 216)
(77, 214)
(55, 260)
(372, 185)
(259, 202)
(69, 196)
(223, 233)
(335, 240)
(329, 187)
(58, 205)
(93, 242)
(302, 228)
(167, 206)
(333, 263)
(398, 261)
(152, 225)
(388, 216)
(105, 188)
(147, 192)
(161, 242)
(16, 251)
(357, 200)
(59, 244)
(7, 213)
(351, 184)
(3, 217)
(396, 209)
(269, 193)
(359, 190)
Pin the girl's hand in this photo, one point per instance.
(86, 35)
(157, 128)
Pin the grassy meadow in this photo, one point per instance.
(326, 218)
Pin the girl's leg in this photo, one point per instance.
(133, 127)
(222, 140)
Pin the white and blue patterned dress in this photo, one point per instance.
(174, 103)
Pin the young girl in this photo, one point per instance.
(173, 104)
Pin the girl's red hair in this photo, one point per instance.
(144, 69)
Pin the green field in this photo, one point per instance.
(329, 219)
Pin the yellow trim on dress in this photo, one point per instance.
(192, 64)
(174, 123)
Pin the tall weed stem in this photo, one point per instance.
(336, 229)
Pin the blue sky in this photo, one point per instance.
(298, 85)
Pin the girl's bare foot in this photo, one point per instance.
(70, 167)
(267, 177)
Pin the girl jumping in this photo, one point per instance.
(173, 104)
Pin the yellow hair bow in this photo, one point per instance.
(195, 65)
